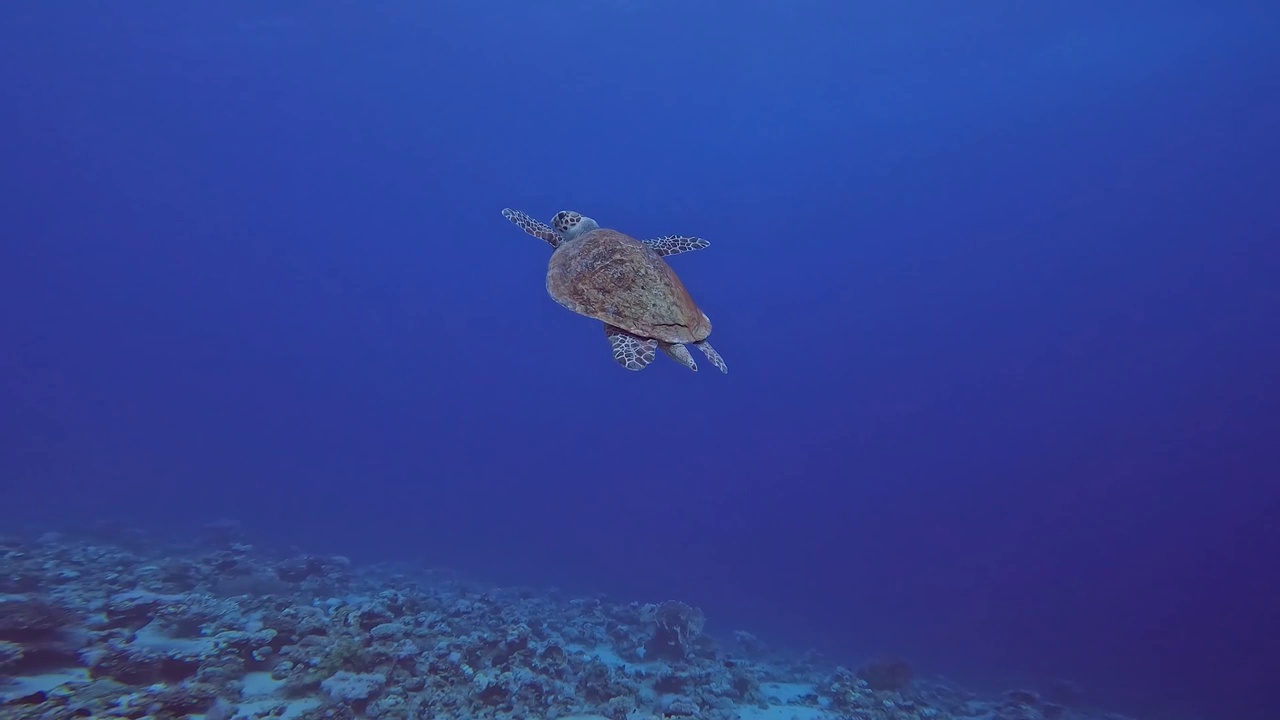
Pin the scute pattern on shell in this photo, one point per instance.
(613, 277)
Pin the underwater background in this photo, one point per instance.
(995, 284)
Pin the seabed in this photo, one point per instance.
(136, 628)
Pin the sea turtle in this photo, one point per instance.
(625, 283)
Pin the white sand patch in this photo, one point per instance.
(783, 712)
(27, 684)
(607, 656)
(263, 696)
(260, 685)
(786, 693)
(151, 637)
(271, 707)
(604, 654)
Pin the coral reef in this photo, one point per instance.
(886, 674)
(100, 629)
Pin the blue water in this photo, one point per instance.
(995, 283)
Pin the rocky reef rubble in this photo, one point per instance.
(95, 629)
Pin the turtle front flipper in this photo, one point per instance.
(676, 244)
(712, 355)
(630, 351)
(535, 228)
(680, 354)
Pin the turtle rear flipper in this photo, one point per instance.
(712, 355)
(630, 351)
(676, 244)
(679, 353)
(536, 228)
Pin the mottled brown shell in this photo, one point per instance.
(613, 277)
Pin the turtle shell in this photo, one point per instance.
(613, 277)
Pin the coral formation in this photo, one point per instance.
(886, 674)
(92, 629)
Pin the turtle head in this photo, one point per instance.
(571, 224)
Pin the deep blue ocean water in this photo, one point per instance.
(995, 283)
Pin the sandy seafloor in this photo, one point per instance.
(125, 626)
